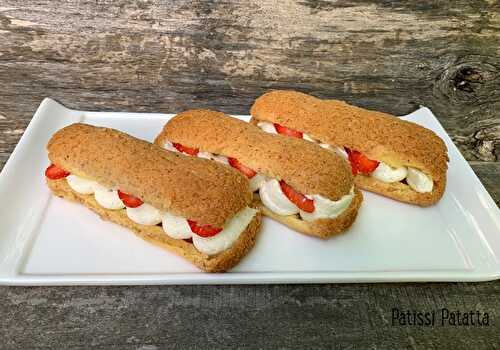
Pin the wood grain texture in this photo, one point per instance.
(228, 317)
(170, 55)
(173, 55)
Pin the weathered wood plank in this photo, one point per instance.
(287, 316)
(170, 56)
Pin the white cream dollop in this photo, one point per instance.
(267, 127)
(226, 238)
(144, 214)
(206, 155)
(386, 173)
(220, 159)
(341, 152)
(176, 226)
(107, 197)
(418, 181)
(169, 146)
(81, 185)
(273, 198)
(257, 181)
(309, 138)
(327, 209)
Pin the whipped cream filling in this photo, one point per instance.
(386, 173)
(220, 159)
(340, 151)
(107, 197)
(309, 138)
(206, 155)
(267, 127)
(417, 180)
(145, 214)
(327, 209)
(257, 181)
(174, 226)
(275, 200)
(81, 185)
(226, 238)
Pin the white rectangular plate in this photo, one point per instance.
(45, 240)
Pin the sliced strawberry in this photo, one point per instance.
(235, 163)
(55, 173)
(128, 200)
(360, 162)
(287, 132)
(351, 157)
(186, 149)
(366, 165)
(203, 230)
(297, 198)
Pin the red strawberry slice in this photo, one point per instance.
(129, 200)
(203, 230)
(53, 172)
(297, 198)
(352, 161)
(186, 149)
(235, 163)
(287, 131)
(366, 165)
(360, 162)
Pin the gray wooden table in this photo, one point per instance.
(167, 56)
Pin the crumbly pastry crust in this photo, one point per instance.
(378, 135)
(322, 228)
(195, 188)
(155, 235)
(296, 161)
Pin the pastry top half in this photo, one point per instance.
(378, 135)
(298, 163)
(198, 189)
